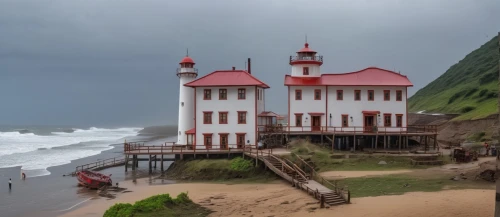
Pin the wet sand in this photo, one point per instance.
(280, 200)
(50, 195)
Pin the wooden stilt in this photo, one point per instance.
(136, 161)
(333, 142)
(385, 141)
(354, 138)
(406, 143)
(161, 166)
(376, 140)
(399, 141)
(155, 160)
(133, 163)
(150, 165)
(126, 162)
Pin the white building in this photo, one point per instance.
(344, 102)
(226, 107)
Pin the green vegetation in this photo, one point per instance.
(321, 159)
(159, 205)
(400, 184)
(470, 87)
(219, 170)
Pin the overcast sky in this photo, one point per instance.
(113, 63)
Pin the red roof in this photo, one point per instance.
(371, 76)
(306, 49)
(187, 59)
(227, 78)
(191, 131)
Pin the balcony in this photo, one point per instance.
(187, 70)
(316, 59)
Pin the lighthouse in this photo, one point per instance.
(306, 63)
(186, 73)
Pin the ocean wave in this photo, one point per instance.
(16, 142)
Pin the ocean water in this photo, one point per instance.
(35, 149)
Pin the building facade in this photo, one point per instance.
(226, 107)
(367, 100)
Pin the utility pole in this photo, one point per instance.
(497, 172)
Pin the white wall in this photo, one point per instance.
(306, 105)
(354, 108)
(314, 70)
(346, 106)
(186, 109)
(232, 105)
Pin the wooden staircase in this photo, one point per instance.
(294, 174)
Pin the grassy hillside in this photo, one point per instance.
(469, 87)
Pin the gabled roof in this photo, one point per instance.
(227, 78)
(371, 76)
(268, 114)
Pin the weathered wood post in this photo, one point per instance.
(156, 159)
(133, 162)
(399, 141)
(150, 165)
(161, 166)
(322, 201)
(126, 162)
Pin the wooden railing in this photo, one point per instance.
(101, 164)
(168, 148)
(342, 192)
(354, 129)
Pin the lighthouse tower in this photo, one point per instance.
(306, 63)
(186, 73)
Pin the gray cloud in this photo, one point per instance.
(113, 62)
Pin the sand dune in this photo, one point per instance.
(280, 200)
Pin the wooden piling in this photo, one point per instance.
(155, 160)
(133, 163)
(126, 162)
(161, 165)
(150, 165)
(399, 141)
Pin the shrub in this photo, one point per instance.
(456, 96)
(487, 78)
(492, 94)
(240, 164)
(119, 210)
(471, 91)
(467, 109)
(483, 92)
(150, 204)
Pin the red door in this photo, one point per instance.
(368, 123)
(316, 123)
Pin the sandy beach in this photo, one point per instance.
(280, 199)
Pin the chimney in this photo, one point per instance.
(249, 67)
(234, 68)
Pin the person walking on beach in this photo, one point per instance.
(10, 183)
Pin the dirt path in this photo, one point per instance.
(280, 200)
(352, 174)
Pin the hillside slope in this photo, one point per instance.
(468, 88)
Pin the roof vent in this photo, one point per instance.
(234, 68)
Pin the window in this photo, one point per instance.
(223, 140)
(340, 94)
(222, 117)
(317, 94)
(242, 94)
(387, 95)
(207, 140)
(345, 120)
(242, 117)
(298, 94)
(298, 120)
(357, 95)
(240, 140)
(399, 120)
(305, 71)
(387, 120)
(371, 96)
(207, 94)
(222, 94)
(207, 117)
(399, 95)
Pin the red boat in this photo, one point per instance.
(93, 180)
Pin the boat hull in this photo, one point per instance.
(93, 180)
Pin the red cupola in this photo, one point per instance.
(306, 56)
(187, 67)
